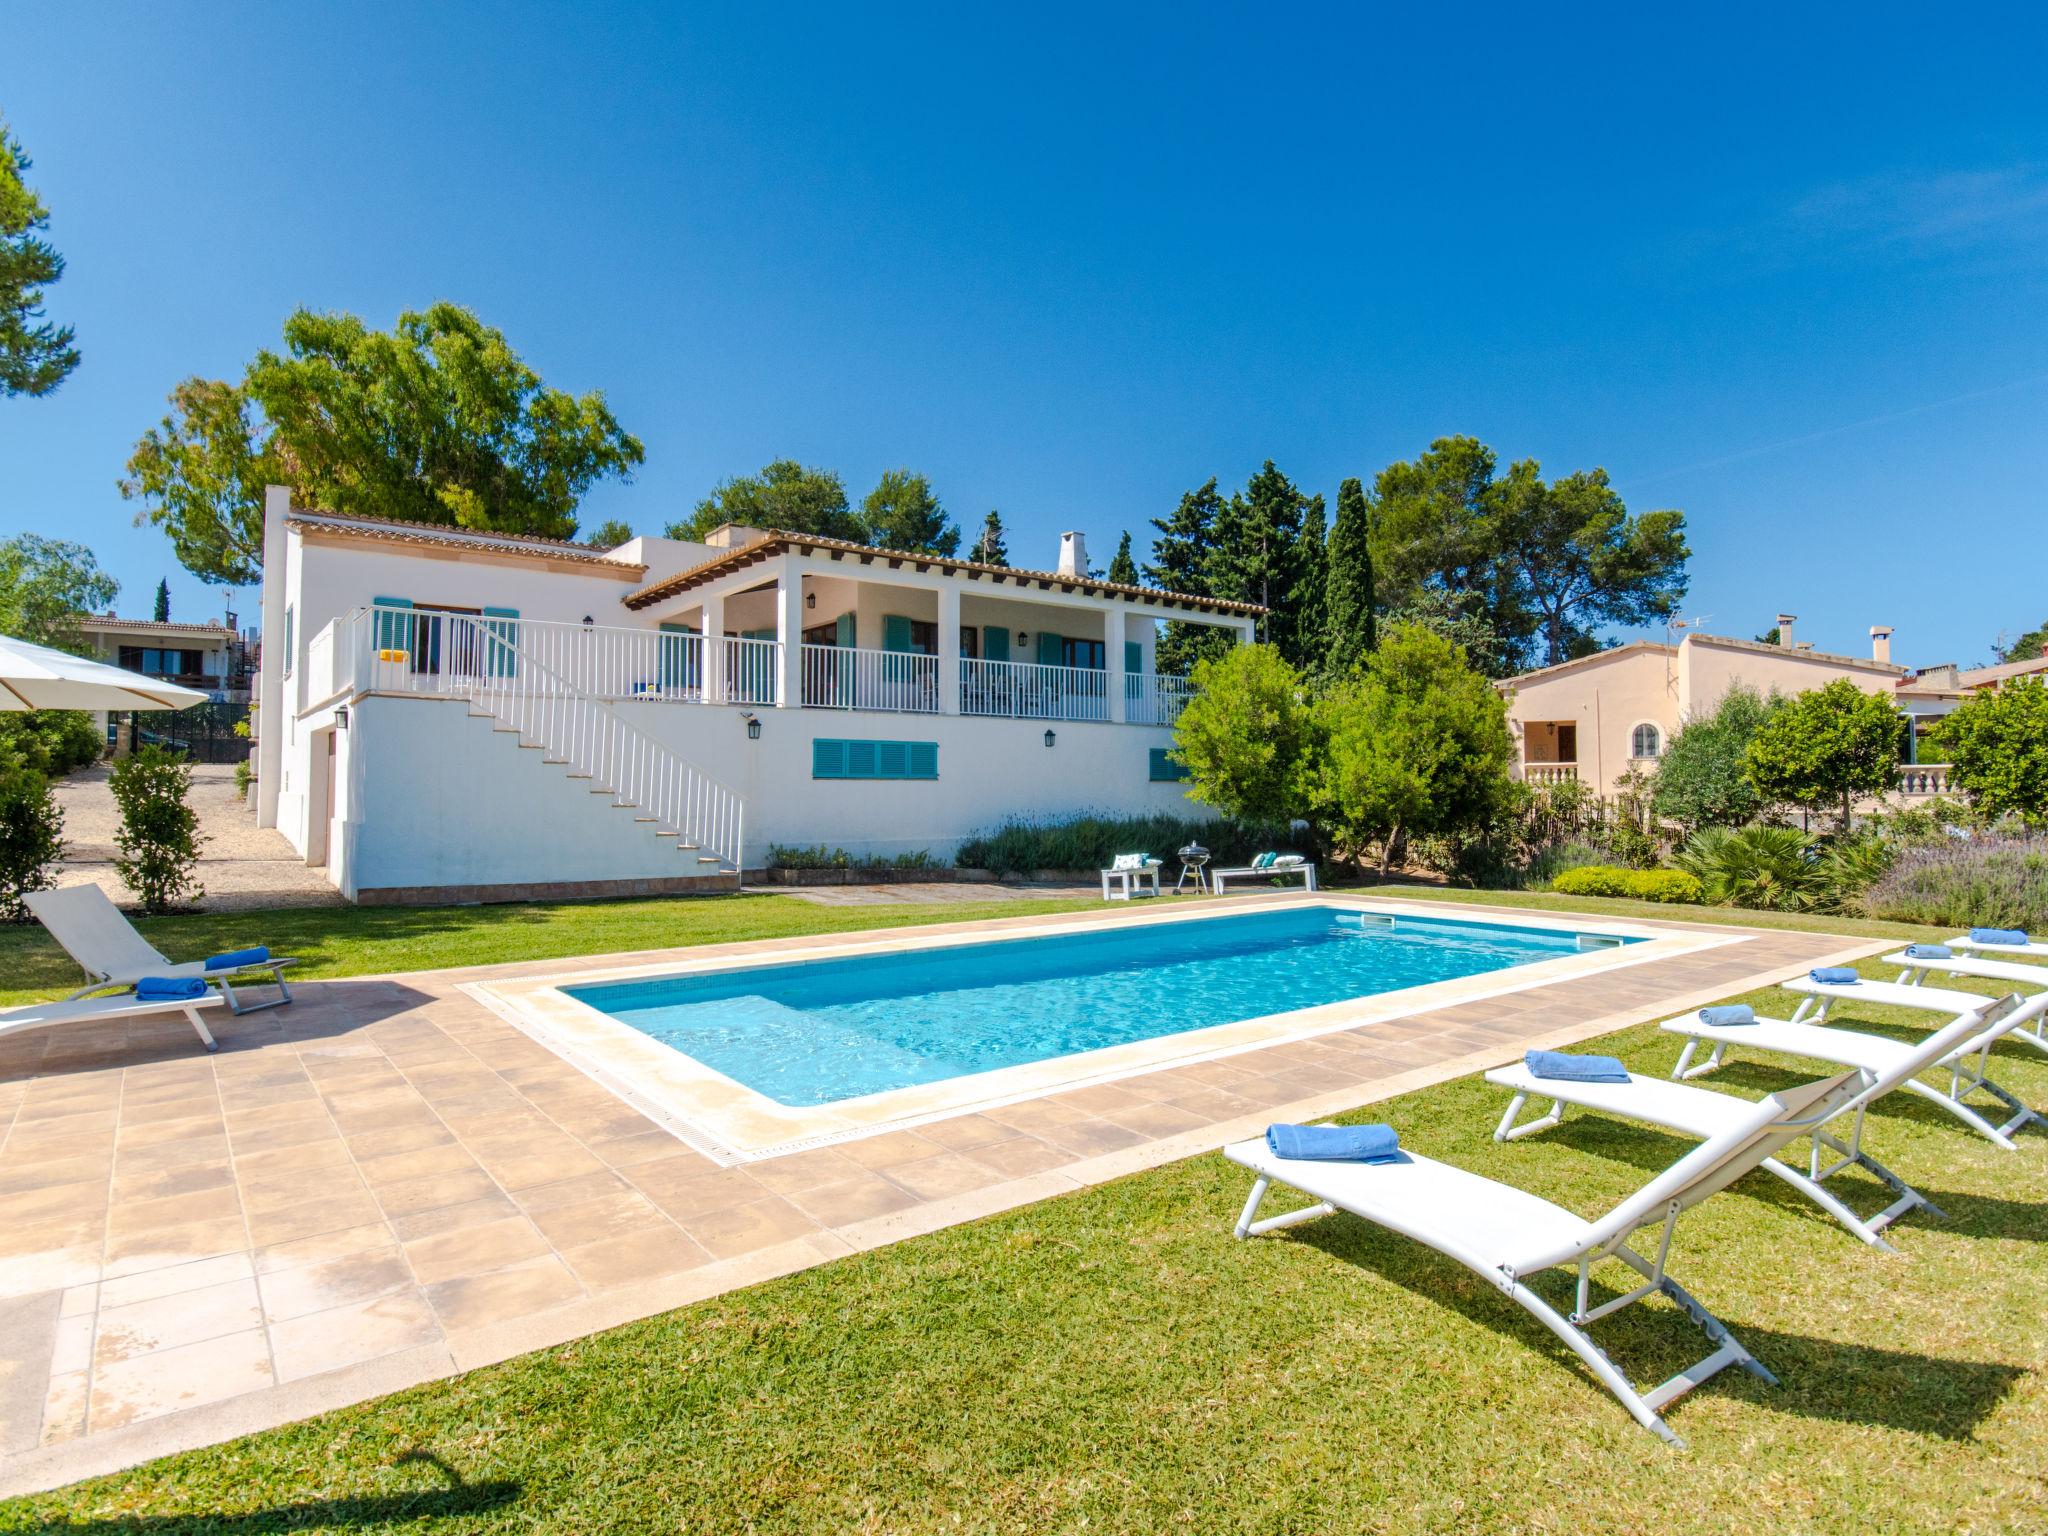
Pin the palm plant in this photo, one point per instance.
(1767, 869)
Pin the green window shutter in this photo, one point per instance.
(924, 760)
(846, 635)
(1164, 770)
(892, 759)
(895, 632)
(828, 759)
(501, 626)
(1134, 656)
(1051, 649)
(393, 631)
(995, 643)
(860, 760)
(675, 663)
(845, 759)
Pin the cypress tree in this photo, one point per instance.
(1348, 603)
(1181, 550)
(989, 548)
(162, 612)
(1123, 570)
(1262, 555)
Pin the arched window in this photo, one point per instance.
(1645, 742)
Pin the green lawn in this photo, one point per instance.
(361, 941)
(1112, 1361)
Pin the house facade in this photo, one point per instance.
(451, 715)
(1595, 718)
(204, 656)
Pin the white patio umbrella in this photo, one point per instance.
(36, 677)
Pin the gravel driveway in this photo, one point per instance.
(242, 866)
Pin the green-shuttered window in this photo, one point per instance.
(1164, 769)
(501, 628)
(838, 758)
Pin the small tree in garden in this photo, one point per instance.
(158, 843)
(31, 839)
(1701, 780)
(1997, 747)
(1415, 744)
(1825, 748)
(1246, 736)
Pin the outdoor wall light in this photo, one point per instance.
(341, 717)
(753, 724)
(1021, 638)
(588, 621)
(810, 599)
(1049, 738)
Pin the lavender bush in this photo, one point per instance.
(1988, 882)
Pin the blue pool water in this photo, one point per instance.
(816, 1031)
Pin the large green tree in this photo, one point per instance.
(1579, 560)
(36, 355)
(1997, 747)
(1416, 743)
(1435, 557)
(1181, 547)
(437, 420)
(1246, 737)
(1349, 620)
(902, 512)
(1702, 778)
(989, 546)
(47, 586)
(1123, 566)
(1268, 550)
(2027, 646)
(199, 475)
(786, 495)
(1826, 748)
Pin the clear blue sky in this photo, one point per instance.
(1787, 273)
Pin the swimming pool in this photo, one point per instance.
(827, 1030)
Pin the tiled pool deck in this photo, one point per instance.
(386, 1183)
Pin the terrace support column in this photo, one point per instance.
(1113, 664)
(789, 630)
(949, 649)
(270, 721)
(714, 650)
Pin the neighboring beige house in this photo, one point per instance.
(205, 656)
(1594, 718)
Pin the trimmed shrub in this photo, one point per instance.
(818, 856)
(158, 843)
(1668, 885)
(31, 840)
(1090, 842)
(1983, 883)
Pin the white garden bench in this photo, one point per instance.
(1256, 871)
(1130, 872)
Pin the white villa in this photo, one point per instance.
(446, 715)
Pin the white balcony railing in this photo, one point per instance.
(1024, 690)
(1150, 699)
(1923, 779)
(1549, 773)
(844, 677)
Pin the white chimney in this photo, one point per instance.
(1073, 555)
(1881, 643)
(1785, 623)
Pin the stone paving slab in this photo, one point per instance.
(384, 1183)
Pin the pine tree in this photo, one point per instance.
(902, 513)
(1180, 563)
(163, 600)
(990, 549)
(1348, 603)
(1262, 555)
(1123, 570)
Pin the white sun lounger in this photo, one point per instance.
(2033, 949)
(1506, 1235)
(1703, 1112)
(2016, 972)
(1815, 1040)
(95, 1010)
(106, 945)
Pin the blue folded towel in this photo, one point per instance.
(169, 989)
(1928, 952)
(1576, 1069)
(1834, 975)
(1728, 1013)
(237, 959)
(1998, 936)
(1334, 1143)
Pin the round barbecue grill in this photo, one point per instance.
(1194, 858)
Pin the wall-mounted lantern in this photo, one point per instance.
(1049, 738)
(753, 724)
(810, 599)
(341, 717)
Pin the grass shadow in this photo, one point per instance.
(361, 1512)
(1819, 1378)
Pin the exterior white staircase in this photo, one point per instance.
(481, 661)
